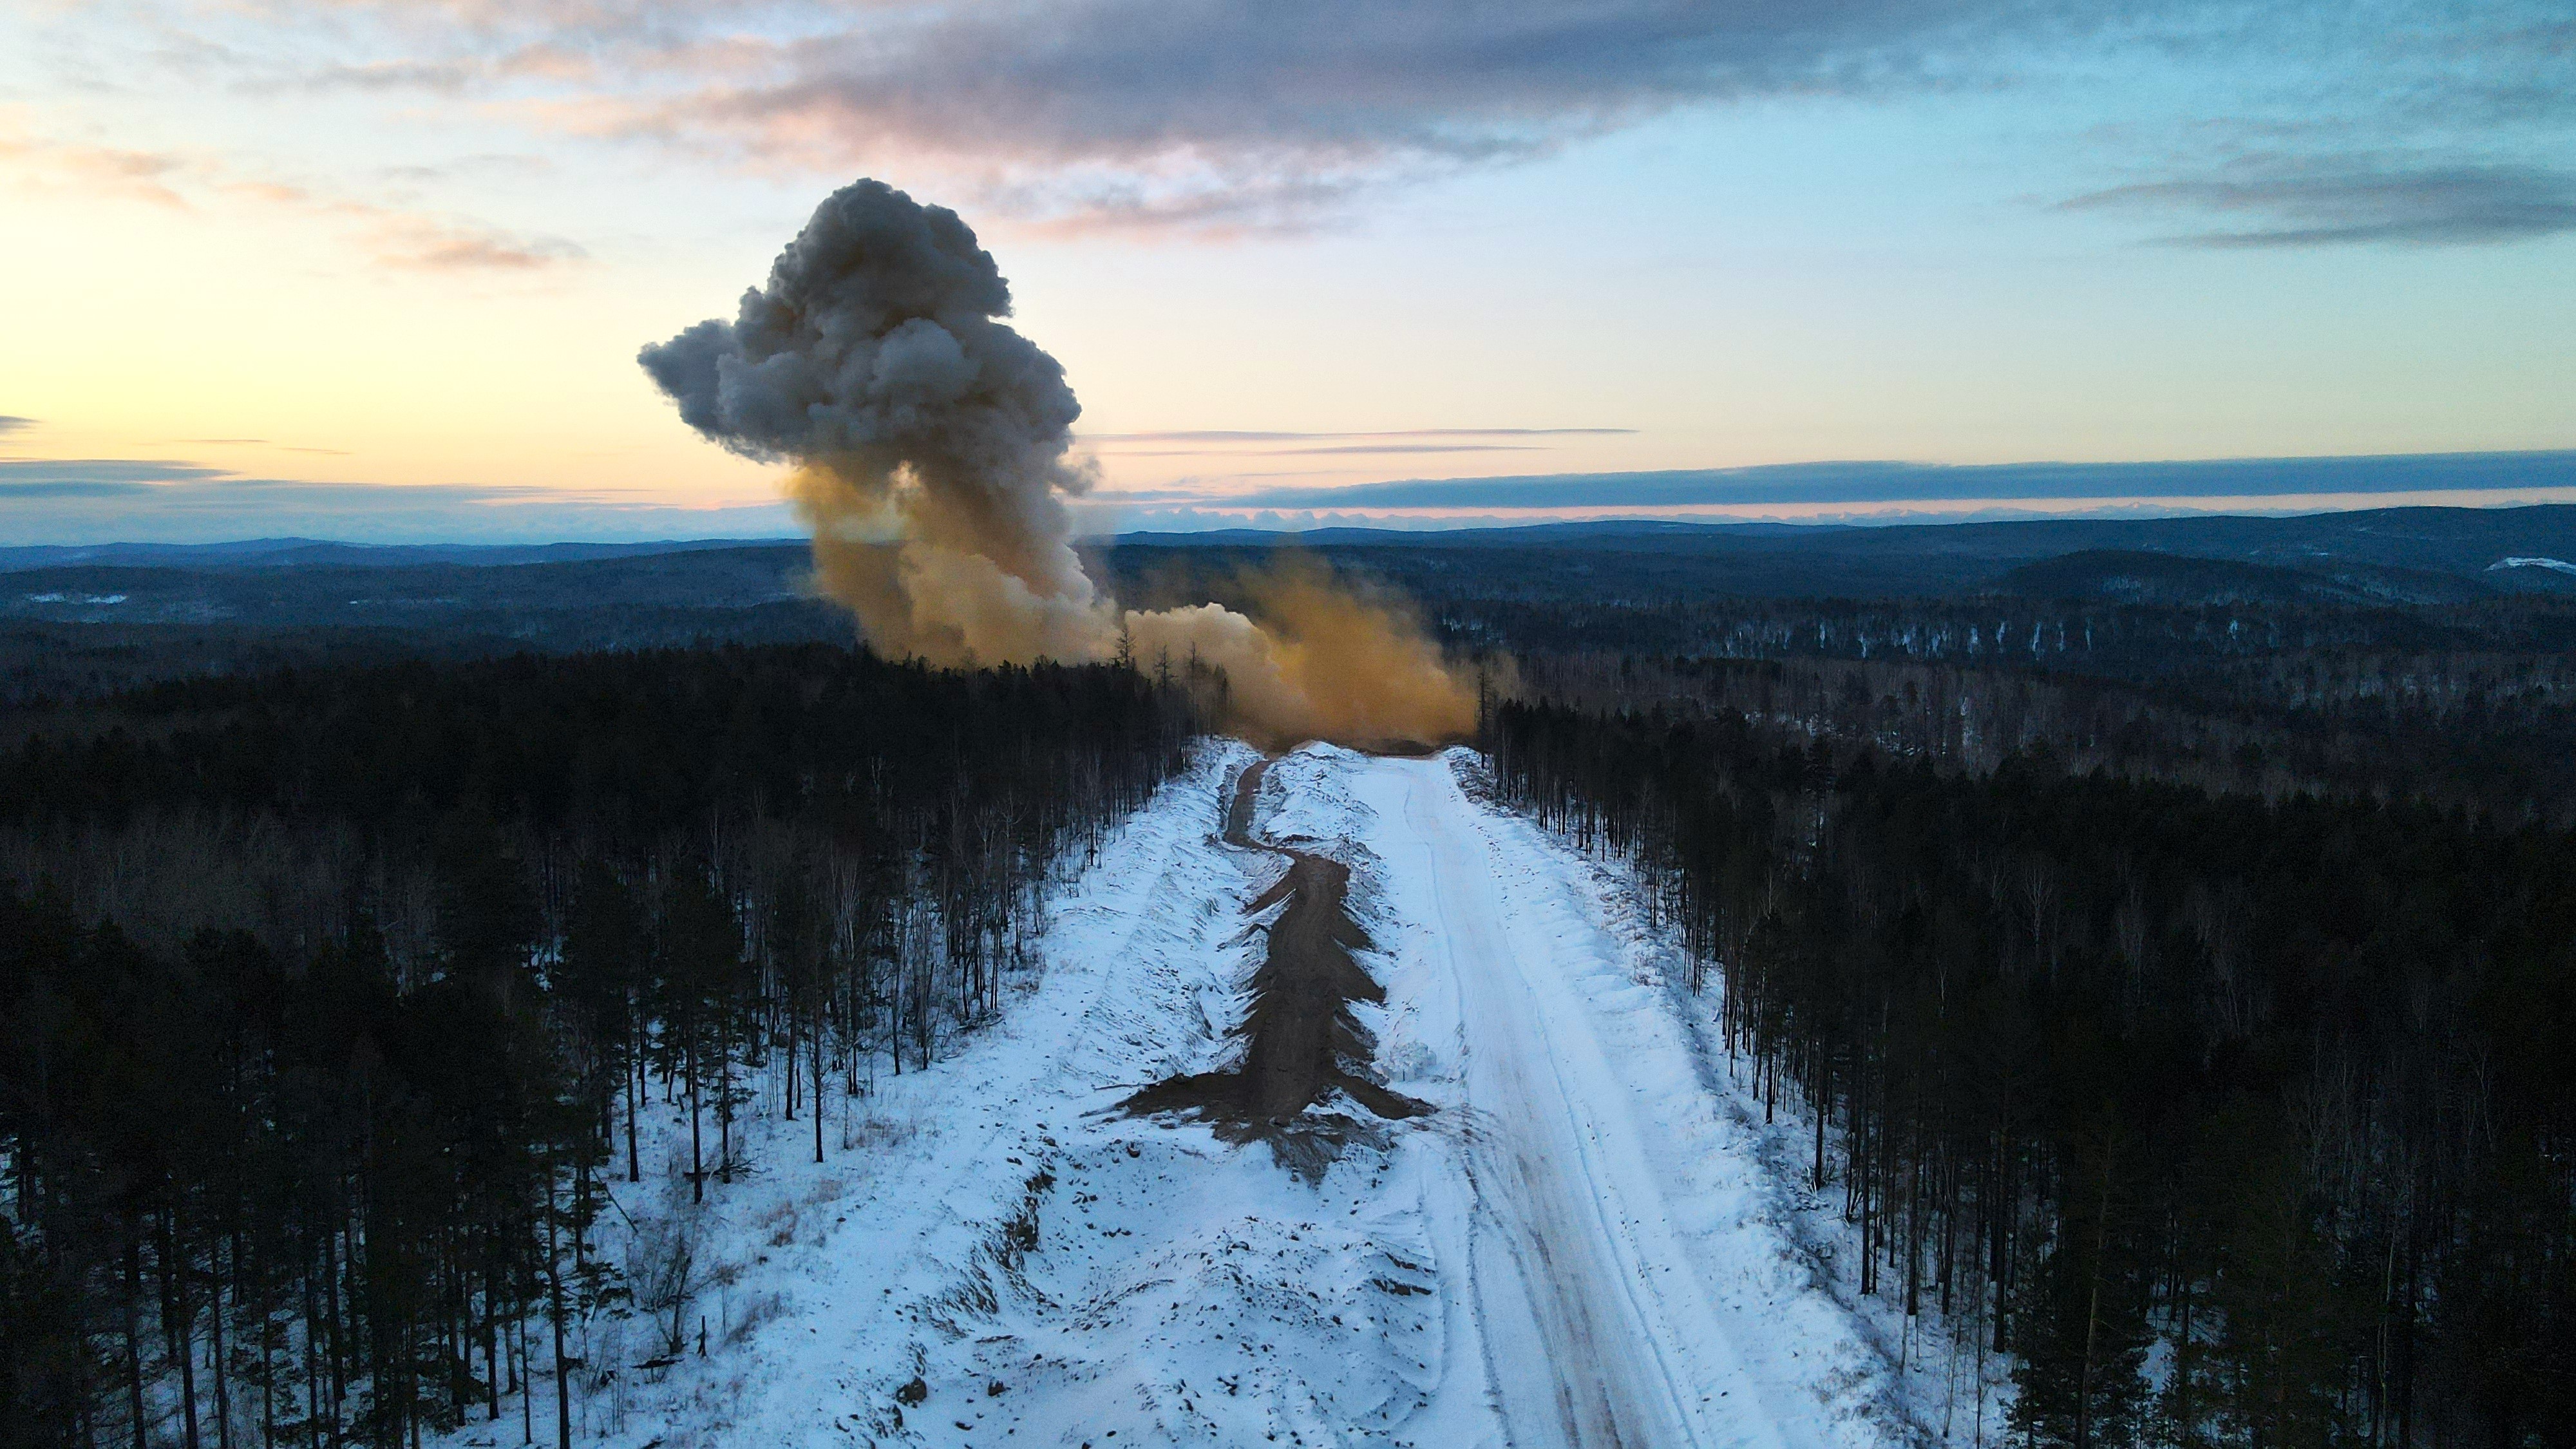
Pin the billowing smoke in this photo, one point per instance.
(930, 442)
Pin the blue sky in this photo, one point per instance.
(380, 270)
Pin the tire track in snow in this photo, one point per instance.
(1544, 1256)
(1597, 1305)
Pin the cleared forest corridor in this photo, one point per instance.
(1578, 1244)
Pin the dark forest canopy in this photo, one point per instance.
(645, 739)
(2280, 1091)
(329, 999)
(2483, 732)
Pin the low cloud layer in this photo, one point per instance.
(1876, 483)
(103, 478)
(2342, 201)
(1398, 435)
(128, 500)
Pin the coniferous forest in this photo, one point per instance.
(2174, 1005)
(2236, 1120)
(332, 998)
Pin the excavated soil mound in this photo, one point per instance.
(1301, 1039)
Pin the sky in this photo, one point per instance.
(379, 269)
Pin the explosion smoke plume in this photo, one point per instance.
(930, 444)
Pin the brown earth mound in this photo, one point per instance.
(1301, 1039)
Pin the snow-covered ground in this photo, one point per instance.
(1585, 1245)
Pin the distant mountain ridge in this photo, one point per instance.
(2381, 555)
(618, 593)
(2447, 540)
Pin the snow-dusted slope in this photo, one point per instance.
(1580, 1247)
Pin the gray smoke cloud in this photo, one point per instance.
(931, 438)
(930, 446)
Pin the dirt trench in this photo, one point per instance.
(1301, 1039)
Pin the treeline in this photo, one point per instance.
(2237, 1122)
(330, 1001)
(2483, 733)
(2100, 637)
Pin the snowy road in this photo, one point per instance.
(1570, 1266)
(1582, 1245)
(1599, 1327)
